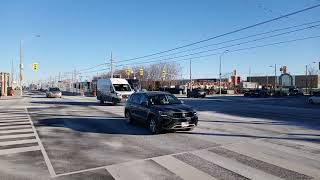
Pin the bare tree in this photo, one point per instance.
(152, 74)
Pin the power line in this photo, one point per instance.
(86, 69)
(235, 50)
(223, 42)
(215, 54)
(231, 32)
(201, 47)
(236, 44)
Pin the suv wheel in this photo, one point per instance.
(153, 127)
(128, 118)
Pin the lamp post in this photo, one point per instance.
(275, 77)
(21, 63)
(224, 52)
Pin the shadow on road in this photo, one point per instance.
(315, 140)
(109, 125)
(280, 115)
(69, 103)
(245, 122)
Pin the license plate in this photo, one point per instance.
(184, 124)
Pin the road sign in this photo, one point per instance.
(35, 67)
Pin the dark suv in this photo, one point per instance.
(160, 111)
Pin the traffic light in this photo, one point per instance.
(128, 71)
(164, 74)
(35, 67)
(141, 72)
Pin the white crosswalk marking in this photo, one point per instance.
(181, 169)
(16, 133)
(13, 120)
(19, 150)
(15, 127)
(7, 143)
(235, 166)
(13, 123)
(17, 136)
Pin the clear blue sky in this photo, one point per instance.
(80, 34)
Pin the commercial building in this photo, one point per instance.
(287, 80)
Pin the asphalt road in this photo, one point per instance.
(237, 138)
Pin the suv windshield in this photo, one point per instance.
(122, 87)
(54, 89)
(164, 99)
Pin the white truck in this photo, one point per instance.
(114, 90)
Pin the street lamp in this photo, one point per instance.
(21, 62)
(275, 77)
(224, 52)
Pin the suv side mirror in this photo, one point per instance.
(144, 103)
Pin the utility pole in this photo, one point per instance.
(249, 73)
(306, 79)
(21, 67)
(267, 81)
(275, 78)
(190, 76)
(220, 69)
(12, 73)
(111, 65)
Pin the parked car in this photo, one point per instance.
(54, 93)
(160, 111)
(114, 90)
(314, 99)
(296, 92)
(248, 93)
(257, 93)
(197, 93)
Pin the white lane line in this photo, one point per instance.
(17, 136)
(19, 150)
(14, 127)
(43, 151)
(26, 141)
(13, 123)
(181, 169)
(15, 131)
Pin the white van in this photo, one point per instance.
(114, 90)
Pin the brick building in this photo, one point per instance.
(4, 83)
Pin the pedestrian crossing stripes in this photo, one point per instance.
(212, 163)
(16, 132)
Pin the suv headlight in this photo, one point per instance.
(195, 113)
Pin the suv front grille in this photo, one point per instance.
(183, 115)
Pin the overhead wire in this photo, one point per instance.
(230, 32)
(232, 45)
(223, 42)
